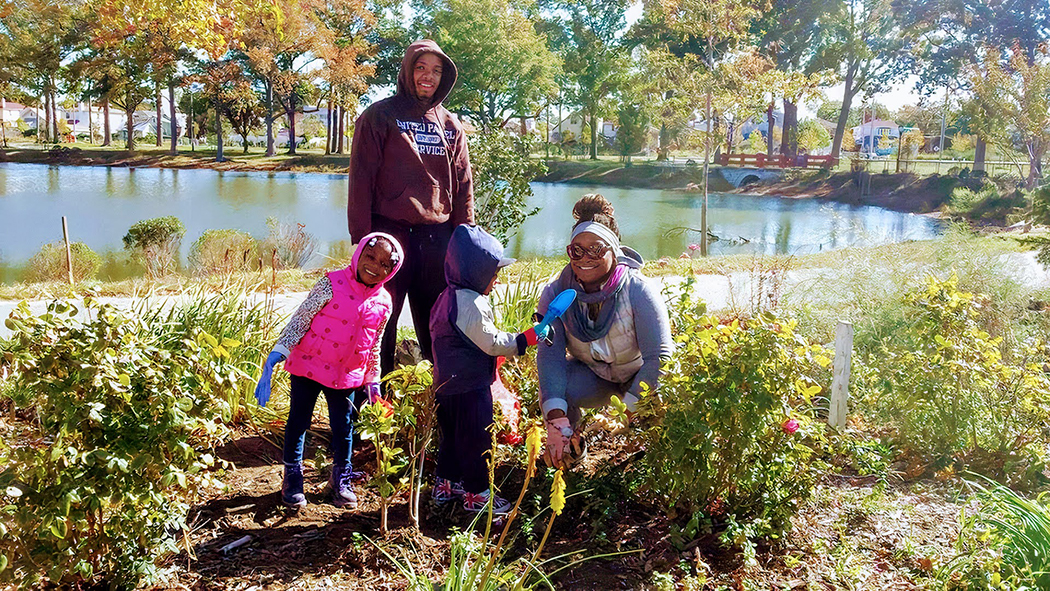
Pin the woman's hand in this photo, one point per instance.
(559, 435)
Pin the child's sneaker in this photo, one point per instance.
(478, 502)
(445, 490)
(292, 487)
(342, 489)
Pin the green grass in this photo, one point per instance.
(853, 264)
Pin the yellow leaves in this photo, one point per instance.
(558, 492)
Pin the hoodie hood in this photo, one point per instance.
(361, 247)
(406, 86)
(473, 258)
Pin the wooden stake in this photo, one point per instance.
(840, 375)
(69, 255)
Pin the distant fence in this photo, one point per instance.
(922, 166)
(777, 161)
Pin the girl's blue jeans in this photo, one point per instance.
(342, 413)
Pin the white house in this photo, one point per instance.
(880, 130)
(574, 123)
(10, 112)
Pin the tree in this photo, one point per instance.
(786, 34)
(812, 136)
(632, 131)
(669, 87)
(865, 45)
(40, 35)
(587, 38)
(952, 34)
(505, 67)
(1016, 92)
(720, 25)
(239, 103)
(347, 68)
(280, 49)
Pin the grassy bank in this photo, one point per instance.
(234, 159)
(913, 255)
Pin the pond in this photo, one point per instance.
(101, 203)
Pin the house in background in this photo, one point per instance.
(758, 123)
(10, 112)
(878, 136)
(575, 122)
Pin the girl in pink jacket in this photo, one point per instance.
(331, 344)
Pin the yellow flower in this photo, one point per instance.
(558, 493)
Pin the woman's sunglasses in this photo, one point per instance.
(595, 251)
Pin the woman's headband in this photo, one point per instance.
(601, 231)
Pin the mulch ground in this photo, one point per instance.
(856, 533)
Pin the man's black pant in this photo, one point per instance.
(421, 278)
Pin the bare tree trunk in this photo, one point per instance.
(342, 129)
(130, 125)
(847, 100)
(107, 140)
(54, 111)
(707, 152)
(158, 128)
(770, 125)
(171, 114)
(91, 133)
(594, 136)
(789, 135)
(218, 133)
(329, 136)
(291, 124)
(979, 152)
(269, 118)
(45, 123)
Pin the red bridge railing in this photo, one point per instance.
(777, 161)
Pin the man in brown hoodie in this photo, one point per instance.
(410, 177)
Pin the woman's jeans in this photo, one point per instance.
(342, 413)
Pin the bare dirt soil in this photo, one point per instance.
(856, 533)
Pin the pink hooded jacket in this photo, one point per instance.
(336, 350)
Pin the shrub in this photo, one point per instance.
(103, 489)
(502, 173)
(223, 251)
(49, 263)
(156, 243)
(964, 199)
(288, 246)
(955, 394)
(733, 436)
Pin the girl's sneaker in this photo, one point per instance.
(445, 490)
(292, 487)
(478, 502)
(342, 489)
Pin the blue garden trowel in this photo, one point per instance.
(555, 309)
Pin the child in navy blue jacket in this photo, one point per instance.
(466, 344)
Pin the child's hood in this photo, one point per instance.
(473, 258)
(361, 247)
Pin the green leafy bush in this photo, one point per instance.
(49, 263)
(502, 172)
(733, 435)
(156, 242)
(223, 251)
(965, 199)
(955, 394)
(98, 487)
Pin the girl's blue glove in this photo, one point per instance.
(262, 389)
